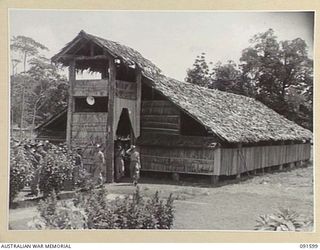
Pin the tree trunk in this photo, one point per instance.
(22, 110)
(34, 116)
(33, 119)
(23, 95)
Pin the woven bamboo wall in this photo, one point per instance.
(220, 161)
(234, 160)
(177, 159)
(159, 117)
(90, 88)
(88, 129)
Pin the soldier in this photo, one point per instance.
(38, 154)
(99, 162)
(135, 164)
(119, 162)
(78, 166)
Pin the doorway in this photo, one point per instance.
(124, 139)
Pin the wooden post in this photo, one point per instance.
(109, 171)
(214, 179)
(239, 159)
(298, 164)
(217, 161)
(138, 103)
(291, 165)
(176, 176)
(72, 78)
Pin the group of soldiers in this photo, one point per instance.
(99, 162)
(135, 165)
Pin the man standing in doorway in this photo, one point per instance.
(135, 164)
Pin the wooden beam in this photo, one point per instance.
(82, 58)
(214, 179)
(239, 160)
(109, 172)
(91, 49)
(217, 161)
(72, 78)
(138, 102)
(70, 46)
(82, 45)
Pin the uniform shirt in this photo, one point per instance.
(99, 158)
(135, 156)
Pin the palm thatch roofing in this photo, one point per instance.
(233, 118)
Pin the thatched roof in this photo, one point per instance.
(234, 118)
(127, 55)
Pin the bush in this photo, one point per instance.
(282, 220)
(62, 215)
(20, 169)
(56, 169)
(94, 211)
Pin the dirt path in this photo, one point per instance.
(229, 207)
(237, 206)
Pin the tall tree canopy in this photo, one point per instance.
(199, 74)
(279, 74)
(26, 47)
(37, 92)
(226, 77)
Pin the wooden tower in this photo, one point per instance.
(95, 105)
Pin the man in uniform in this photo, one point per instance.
(99, 162)
(78, 166)
(135, 164)
(38, 154)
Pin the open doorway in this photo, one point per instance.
(124, 139)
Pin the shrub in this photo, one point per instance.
(131, 212)
(20, 168)
(55, 165)
(282, 220)
(56, 169)
(95, 211)
(62, 215)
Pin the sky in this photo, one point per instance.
(170, 39)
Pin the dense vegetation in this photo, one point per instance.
(54, 167)
(94, 211)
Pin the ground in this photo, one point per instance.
(230, 206)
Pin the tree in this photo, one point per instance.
(39, 91)
(279, 74)
(45, 93)
(26, 47)
(276, 73)
(199, 74)
(48, 90)
(226, 77)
